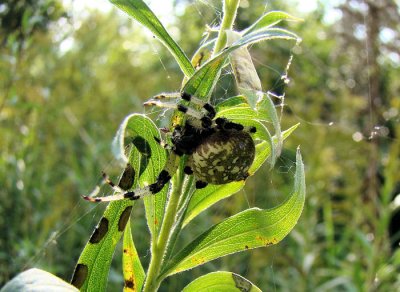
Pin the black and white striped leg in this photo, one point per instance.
(205, 118)
(188, 97)
(225, 124)
(162, 179)
(126, 182)
(205, 105)
(182, 108)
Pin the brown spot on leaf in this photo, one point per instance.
(129, 283)
(100, 231)
(123, 219)
(80, 275)
(127, 179)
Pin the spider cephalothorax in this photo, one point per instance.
(219, 150)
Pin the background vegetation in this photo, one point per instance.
(69, 76)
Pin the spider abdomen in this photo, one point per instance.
(223, 157)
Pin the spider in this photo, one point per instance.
(219, 150)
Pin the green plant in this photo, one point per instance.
(175, 206)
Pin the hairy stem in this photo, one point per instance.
(159, 248)
(230, 10)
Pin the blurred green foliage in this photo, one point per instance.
(67, 81)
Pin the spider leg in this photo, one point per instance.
(208, 107)
(162, 179)
(188, 97)
(126, 181)
(225, 124)
(204, 118)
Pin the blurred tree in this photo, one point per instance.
(369, 33)
(20, 19)
(370, 30)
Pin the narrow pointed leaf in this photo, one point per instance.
(242, 111)
(203, 80)
(222, 282)
(270, 19)
(142, 13)
(133, 271)
(147, 157)
(249, 229)
(238, 100)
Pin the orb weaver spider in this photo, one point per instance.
(219, 151)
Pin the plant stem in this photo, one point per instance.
(158, 250)
(230, 10)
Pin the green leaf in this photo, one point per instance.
(147, 157)
(221, 282)
(241, 112)
(203, 80)
(204, 198)
(233, 101)
(249, 229)
(270, 19)
(134, 274)
(142, 13)
(37, 280)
